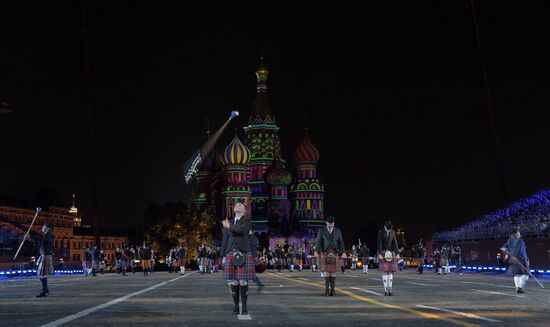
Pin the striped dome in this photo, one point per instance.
(236, 153)
(279, 175)
(306, 151)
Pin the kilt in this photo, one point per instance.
(324, 266)
(246, 272)
(146, 263)
(388, 266)
(45, 267)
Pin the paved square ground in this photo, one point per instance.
(289, 299)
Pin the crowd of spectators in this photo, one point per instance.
(531, 214)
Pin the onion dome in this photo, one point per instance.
(236, 153)
(306, 150)
(279, 175)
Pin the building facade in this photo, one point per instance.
(283, 205)
(69, 236)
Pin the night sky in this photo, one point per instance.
(392, 93)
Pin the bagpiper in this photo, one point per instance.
(238, 261)
(387, 255)
(329, 246)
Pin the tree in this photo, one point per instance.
(174, 224)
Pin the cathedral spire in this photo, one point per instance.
(261, 74)
(261, 111)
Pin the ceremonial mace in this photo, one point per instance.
(190, 167)
(516, 260)
(38, 209)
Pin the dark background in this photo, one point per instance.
(393, 94)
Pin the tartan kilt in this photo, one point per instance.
(324, 266)
(246, 272)
(387, 266)
(45, 267)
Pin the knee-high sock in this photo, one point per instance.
(523, 280)
(235, 295)
(390, 280)
(517, 281)
(385, 281)
(244, 297)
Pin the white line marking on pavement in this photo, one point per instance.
(302, 278)
(488, 284)
(464, 314)
(240, 316)
(421, 284)
(86, 312)
(367, 291)
(498, 293)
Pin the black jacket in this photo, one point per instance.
(236, 236)
(326, 240)
(387, 241)
(46, 244)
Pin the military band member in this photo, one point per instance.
(364, 252)
(329, 246)
(101, 258)
(354, 257)
(146, 256)
(238, 261)
(254, 244)
(516, 254)
(180, 256)
(387, 255)
(420, 255)
(45, 261)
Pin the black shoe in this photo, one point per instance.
(390, 293)
(520, 290)
(42, 294)
(236, 310)
(386, 293)
(260, 287)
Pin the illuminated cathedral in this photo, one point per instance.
(284, 204)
